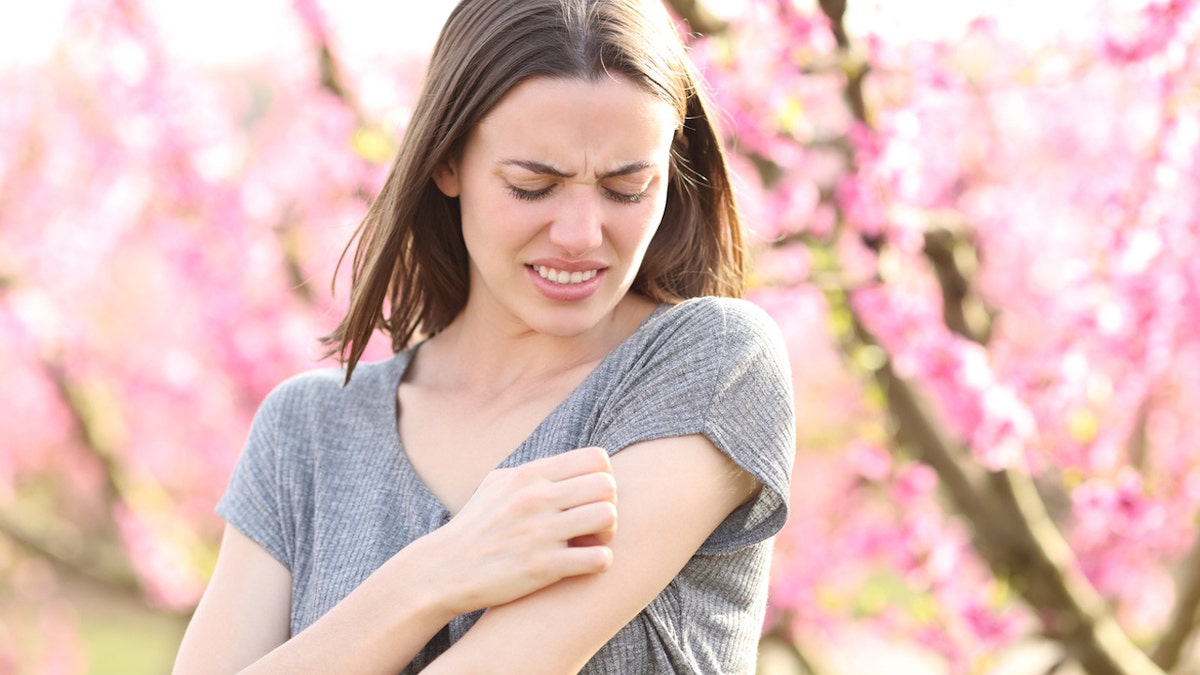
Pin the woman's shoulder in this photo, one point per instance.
(328, 387)
(699, 341)
(717, 318)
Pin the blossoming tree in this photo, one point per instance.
(1002, 241)
(982, 251)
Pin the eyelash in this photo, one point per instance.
(529, 195)
(534, 195)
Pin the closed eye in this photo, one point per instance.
(535, 195)
(625, 198)
(529, 195)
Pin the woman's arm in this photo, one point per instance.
(244, 611)
(513, 537)
(673, 492)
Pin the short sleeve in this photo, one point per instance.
(252, 502)
(716, 367)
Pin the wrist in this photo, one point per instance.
(423, 567)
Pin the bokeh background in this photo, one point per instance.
(977, 223)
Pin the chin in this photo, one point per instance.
(566, 322)
(561, 327)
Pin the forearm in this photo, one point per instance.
(504, 646)
(673, 493)
(379, 628)
(241, 623)
(512, 538)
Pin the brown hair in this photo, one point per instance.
(411, 258)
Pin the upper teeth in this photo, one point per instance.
(563, 276)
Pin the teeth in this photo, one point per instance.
(563, 276)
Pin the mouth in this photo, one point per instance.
(563, 277)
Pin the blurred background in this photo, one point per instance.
(977, 223)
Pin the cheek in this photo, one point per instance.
(639, 230)
(650, 228)
(490, 221)
(653, 219)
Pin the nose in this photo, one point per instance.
(578, 229)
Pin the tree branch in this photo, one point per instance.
(87, 437)
(1012, 530)
(115, 572)
(835, 11)
(1014, 534)
(328, 68)
(962, 309)
(89, 567)
(1185, 618)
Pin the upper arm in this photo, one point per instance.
(671, 494)
(245, 611)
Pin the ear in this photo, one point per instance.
(445, 176)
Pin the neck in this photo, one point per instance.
(481, 353)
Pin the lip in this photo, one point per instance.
(566, 292)
(568, 265)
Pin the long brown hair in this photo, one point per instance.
(410, 270)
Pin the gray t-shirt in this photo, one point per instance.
(324, 484)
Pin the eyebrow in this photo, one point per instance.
(548, 170)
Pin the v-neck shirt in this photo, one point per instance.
(325, 486)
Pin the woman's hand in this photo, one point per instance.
(525, 528)
(674, 492)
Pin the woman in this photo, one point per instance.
(586, 443)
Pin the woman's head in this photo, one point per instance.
(410, 253)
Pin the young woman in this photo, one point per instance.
(579, 454)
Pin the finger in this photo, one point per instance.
(569, 464)
(574, 561)
(597, 518)
(583, 489)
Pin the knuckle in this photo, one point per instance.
(542, 565)
(601, 558)
(608, 486)
(608, 515)
(601, 515)
(590, 459)
(532, 498)
(599, 457)
(502, 477)
(523, 473)
(525, 502)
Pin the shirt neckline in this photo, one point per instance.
(401, 361)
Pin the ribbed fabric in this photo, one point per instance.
(324, 484)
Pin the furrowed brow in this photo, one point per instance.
(626, 170)
(537, 167)
(544, 169)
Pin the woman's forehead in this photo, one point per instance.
(577, 126)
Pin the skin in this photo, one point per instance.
(564, 173)
(567, 171)
(508, 540)
(545, 177)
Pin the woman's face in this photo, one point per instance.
(561, 187)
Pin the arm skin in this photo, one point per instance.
(673, 492)
(524, 528)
